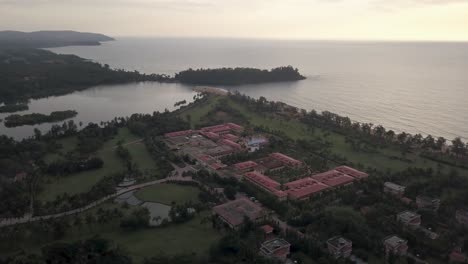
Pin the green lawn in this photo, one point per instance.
(184, 238)
(84, 181)
(168, 193)
(142, 158)
(198, 111)
(173, 239)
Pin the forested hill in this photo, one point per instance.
(238, 76)
(36, 73)
(48, 39)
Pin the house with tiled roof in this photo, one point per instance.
(234, 212)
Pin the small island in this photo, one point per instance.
(36, 118)
(238, 76)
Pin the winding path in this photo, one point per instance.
(28, 219)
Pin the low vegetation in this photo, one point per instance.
(35, 118)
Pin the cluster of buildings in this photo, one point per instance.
(234, 213)
(208, 144)
(302, 189)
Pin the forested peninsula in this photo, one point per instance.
(37, 73)
(36, 118)
(238, 76)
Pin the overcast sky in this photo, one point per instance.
(283, 19)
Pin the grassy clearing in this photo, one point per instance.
(84, 181)
(168, 193)
(198, 111)
(142, 158)
(189, 237)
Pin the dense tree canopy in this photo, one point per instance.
(238, 76)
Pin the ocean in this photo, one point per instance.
(417, 87)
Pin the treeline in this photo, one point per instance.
(10, 108)
(364, 136)
(238, 76)
(36, 73)
(37, 118)
(65, 167)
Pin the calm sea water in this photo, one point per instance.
(413, 87)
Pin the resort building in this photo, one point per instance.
(410, 219)
(352, 172)
(233, 213)
(267, 232)
(304, 188)
(244, 167)
(394, 189)
(339, 247)
(395, 245)
(268, 164)
(333, 178)
(457, 256)
(462, 216)
(266, 183)
(286, 160)
(276, 248)
(427, 203)
(183, 133)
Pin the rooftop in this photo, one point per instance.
(266, 182)
(394, 186)
(270, 246)
(304, 188)
(338, 241)
(267, 229)
(394, 241)
(179, 133)
(231, 143)
(333, 178)
(352, 172)
(231, 137)
(262, 180)
(408, 215)
(245, 165)
(269, 163)
(234, 211)
(285, 159)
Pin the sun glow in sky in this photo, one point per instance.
(440, 20)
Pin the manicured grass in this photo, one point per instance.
(168, 193)
(142, 157)
(68, 144)
(84, 181)
(196, 112)
(186, 238)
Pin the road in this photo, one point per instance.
(29, 218)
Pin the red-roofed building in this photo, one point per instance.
(20, 176)
(266, 183)
(246, 166)
(304, 188)
(234, 212)
(183, 133)
(352, 172)
(210, 135)
(224, 128)
(217, 166)
(267, 232)
(231, 144)
(231, 137)
(235, 127)
(333, 178)
(457, 256)
(286, 159)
